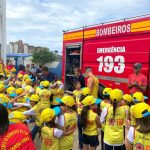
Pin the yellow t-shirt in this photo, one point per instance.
(133, 121)
(49, 142)
(38, 90)
(22, 100)
(38, 108)
(91, 128)
(127, 108)
(141, 141)
(2, 68)
(104, 104)
(66, 142)
(77, 94)
(114, 130)
(95, 88)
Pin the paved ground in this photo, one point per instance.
(37, 142)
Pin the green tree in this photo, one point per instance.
(43, 56)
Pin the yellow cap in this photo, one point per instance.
(2, 87)
(3, 98)
(19, 91)
(26, 76)
(67, 100)
(28, 81)
(34, 97)
(45, 83)
(116, 94)
(128, 98)
(107, 91)
(138, 97)
(41, 83)
(16, 117)
(58, 82)
(28, 87)
(11, 90)
(20, 76)
(13, 70)
(38, 89)
(89, 100)
(141, 110)
(48, 114)
(86, 91)
(45, 94)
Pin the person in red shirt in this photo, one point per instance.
(10, 68)
(13, 136)
(137, 82)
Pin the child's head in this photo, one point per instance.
(138, 97)
(67, 103)
(106, 93)
(127, 100)
(85, 92)
(45, 84)
(29, 90)
(116, 98)
(45, 95)
(17, 117)
(48, 115)
(34, 99)
(141, 112)
(28, 81)
(4, 121)
(19, 91)
(26, 76)
(20, 77)
(77, 85)
(89, 104)
(11, 92)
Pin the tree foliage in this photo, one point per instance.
(43, 56)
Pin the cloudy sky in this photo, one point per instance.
(40, 22)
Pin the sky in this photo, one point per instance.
(41, 22)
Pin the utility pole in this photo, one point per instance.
(3, 29)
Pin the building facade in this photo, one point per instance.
(20, 47)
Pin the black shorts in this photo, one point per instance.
(91, 140)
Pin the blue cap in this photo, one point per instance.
(58, 100)
(145, 97)
(98, 101)
(13, 95)
(57, 110)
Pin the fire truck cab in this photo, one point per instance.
(110, 49)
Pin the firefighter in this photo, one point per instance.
(92, 82)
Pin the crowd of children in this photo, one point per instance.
(122, 121)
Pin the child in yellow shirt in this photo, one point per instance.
(77, 94)
(114, 118)
(69, 121)
(90, 122)
(49, 132)
(139, 136)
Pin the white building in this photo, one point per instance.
(3, 29)
(26, 48)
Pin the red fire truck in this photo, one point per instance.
(111, 49)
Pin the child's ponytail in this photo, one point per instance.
(84, 115)
(114, 107)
